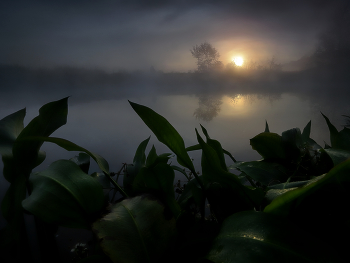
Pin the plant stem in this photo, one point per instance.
(46, 238)
(251, 181)
(202, 209)
(114, 183)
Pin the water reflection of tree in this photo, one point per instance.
(209, 107)
(236, 97)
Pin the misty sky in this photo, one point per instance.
(135, 34)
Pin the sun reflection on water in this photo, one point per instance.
(235, 105)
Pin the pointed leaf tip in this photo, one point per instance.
(266, 126)
(306, 132)
(164, 132)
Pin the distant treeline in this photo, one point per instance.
(17, 82)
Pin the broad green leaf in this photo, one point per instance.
(339, 140)
(306, 132)
(279, 189)
(320, 205)
(63, 194)
(268, 145)
(105, 182)
(311, 144)
(140, 156)
(267, 127)
(135, 230)
(40, 159)
(292, 143)
(152, 156)
(192, 191)
(322, 162)
(198, 147)
(10, 127)
(25, 152)
(133, 169)
(102, 179)
(242, 178)
(333, 132)
(194, 148)
(260, 237)
(213, 163)
(20, 157)
(216, 145)
(273, 193)
(158, 181)
(337, 155)
(159, 178)
(227, 182)
(285, 204)
(263, 172)
(165, 133)
(162, 158)
(343, 139)
(315, 159)
(83, 161)
(289, 202)
(289, 185)
(70, 146)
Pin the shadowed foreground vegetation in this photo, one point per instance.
(287, 207)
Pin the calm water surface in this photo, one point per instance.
(113, 130)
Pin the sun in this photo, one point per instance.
(238, 61)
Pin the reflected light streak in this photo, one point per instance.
(253, 237)
(235, 105)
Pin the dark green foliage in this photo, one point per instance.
(83, 161)
(267, 127)
(133, 169)
(165, 133)
(63, 194)
(135, 230)
(292, 209)
(263, 172)
(20, 157)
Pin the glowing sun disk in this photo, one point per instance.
(238, 61)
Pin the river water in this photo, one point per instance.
(110, 127)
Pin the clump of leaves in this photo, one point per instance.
(272, 211)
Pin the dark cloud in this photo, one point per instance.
(137, 34)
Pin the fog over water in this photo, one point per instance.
(102, 54)
(232, 106)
